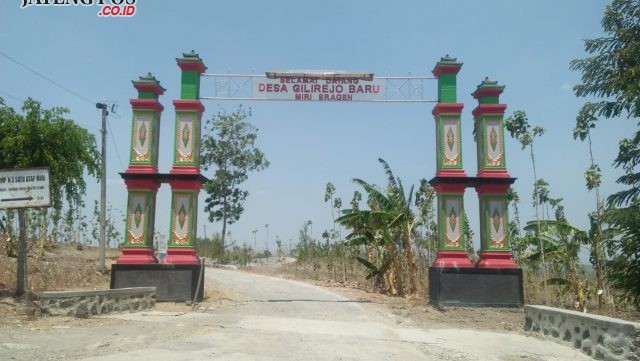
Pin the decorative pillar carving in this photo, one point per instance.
(185, 178)
(141, 175)
(451, 179)
(494, 180)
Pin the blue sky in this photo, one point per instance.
(526, 46)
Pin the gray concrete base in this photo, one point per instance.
(172, 282)
(475, 287)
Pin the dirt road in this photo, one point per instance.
(267, 318)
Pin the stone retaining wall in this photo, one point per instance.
(602, 338)
(99, 302)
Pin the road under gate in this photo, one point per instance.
(269, 318)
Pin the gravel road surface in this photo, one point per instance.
(267, 318)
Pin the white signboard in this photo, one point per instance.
(25, 188)
(316, 89)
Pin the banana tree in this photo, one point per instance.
(562, 245)
(389, 223)
(382, 261)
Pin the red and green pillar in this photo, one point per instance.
(185, 178)
(451, 179)
(452, 250)
(493, 178)
(141, 175)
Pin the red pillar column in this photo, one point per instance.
(450, 180)
(493, 178)
(186, 180)
(141, 175)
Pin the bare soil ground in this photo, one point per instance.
(61, 267)
(65, 267)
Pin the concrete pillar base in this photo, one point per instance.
(142, 255)
(458, 259)
(182, 256)
(493, 259)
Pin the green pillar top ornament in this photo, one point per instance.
(448, 65)
(191, 66)
(148, 87)
(488, 92)
(192, 61)
(192, 55)
(446, 70)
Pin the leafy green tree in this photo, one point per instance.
(46, 138)
(112, 235)
(610, 74)
(585, 121)
(513, 199)
(337, 205)
(541, 195)
(623, 268)
(425, 196)
(520, 129)
(355, 201)
(329, 192)
(468, 234)
(519, 244)
(229, 146)
(301, 251)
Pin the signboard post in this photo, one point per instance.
(21, 189)
(25, 188)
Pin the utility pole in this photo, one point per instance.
(266, 242)
(103, 185)
(21, 272)
(255, 244)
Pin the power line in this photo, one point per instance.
(21, 101)
(114, 144)
(86, 125)
(47, 78)
(61, 87)
(12, 97)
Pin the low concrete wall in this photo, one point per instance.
(602, 338)
(99, 302)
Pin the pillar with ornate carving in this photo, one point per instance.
(450, 180)
(185, 178)
(141, 175)
(493, 178)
